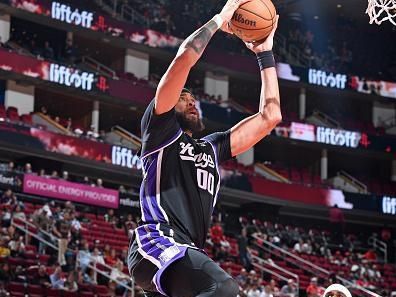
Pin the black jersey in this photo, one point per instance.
(181, 177)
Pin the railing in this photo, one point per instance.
(306, 265)
(326, 118)
(128, 135)
(99, 67)
(379, 245)
(130, 14)
(25, 229)
(352, 180)
(289, 274)
(124, 11)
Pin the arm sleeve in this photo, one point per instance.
(222, 145)
(158, 130)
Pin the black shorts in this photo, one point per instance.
(195, 274)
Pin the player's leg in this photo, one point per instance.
(197, 275)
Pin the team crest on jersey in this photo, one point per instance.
(202, 159)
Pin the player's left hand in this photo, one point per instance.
(265, 45)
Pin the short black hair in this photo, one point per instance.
(185, 90)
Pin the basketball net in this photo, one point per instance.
(382, 10)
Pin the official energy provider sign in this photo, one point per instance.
(61, 189)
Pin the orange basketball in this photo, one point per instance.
(254, 20)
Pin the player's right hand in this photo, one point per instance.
(229, 8)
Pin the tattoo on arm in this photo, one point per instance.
(200, 38)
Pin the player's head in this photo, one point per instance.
(187, 114)
(337, 290)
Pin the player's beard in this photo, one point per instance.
(188, 124)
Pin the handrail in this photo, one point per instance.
(352, 180)
(272, 172)
(128, 135)
(98, 66)
(55, 124)
(290, 254)
(327, 118)
(26, 230)
(324, 271)
(379, 245)
(270, 263)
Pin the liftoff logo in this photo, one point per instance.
(71, 77)
(337, 137)
(389, 205)
(125, 157)
(64, 13)
(321, 78)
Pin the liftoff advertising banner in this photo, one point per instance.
(61, 189)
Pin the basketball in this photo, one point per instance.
(254, 20)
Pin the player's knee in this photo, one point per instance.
(227, 288)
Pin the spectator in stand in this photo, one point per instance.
(18, 213)
(89, 277)
(16, 246)
(112, 258)
(11, 167)
(274, 287)
(99, 183)
(106, 250)
(69, 125)
(243, 251)
(48, 51)
(290, 289)
(242, 277)
(216, 233)
(44, 110)
(69, 52)
(54, 174)
(42, 220)
(84, 257)
(41, 277)
(28, 168)
(97, 257)
(4, 250)
(65, 175)
(8, 197)
(370, 256)
(70, 284)
(110, 217)
(86, 180)
(62, 230)
(6, 217)
(6, 275)
(298, 246)
(313, 289)
(57, 282)
(117, 274)
(42, 173)
(253, 291)
(129, 224)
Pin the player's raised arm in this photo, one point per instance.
(190, 51)
(248, 132)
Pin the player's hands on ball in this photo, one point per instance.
(267, 44)
(228, 11)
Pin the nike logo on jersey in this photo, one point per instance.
(202, 160)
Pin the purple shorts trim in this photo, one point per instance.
(157, 276)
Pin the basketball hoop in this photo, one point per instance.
(382, 10)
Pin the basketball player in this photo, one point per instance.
(181, 174)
